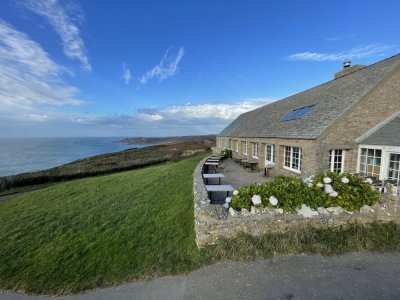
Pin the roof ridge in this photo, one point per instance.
(368, 66)
(329, 81)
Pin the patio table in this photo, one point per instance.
(216, 175)
(211, 164)
(219, 188)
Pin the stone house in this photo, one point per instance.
(349, 124)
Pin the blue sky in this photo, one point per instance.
(161, 68)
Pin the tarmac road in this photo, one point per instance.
(350, 276)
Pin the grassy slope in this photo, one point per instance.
(98, 231)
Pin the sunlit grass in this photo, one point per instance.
(98, 231)
(106, 230)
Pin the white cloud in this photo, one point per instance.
(167, 67)
(205, 118)
(223, 112)
(126, 74)
(359, 52)
(64, 20)
(28, 76)
(38, 118)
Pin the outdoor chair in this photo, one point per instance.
(221, 168)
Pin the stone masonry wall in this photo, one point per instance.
(375, 107)
(308, 165)
(213, 222)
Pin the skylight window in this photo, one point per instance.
(298, 113)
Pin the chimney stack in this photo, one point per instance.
(348, 69)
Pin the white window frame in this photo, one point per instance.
(386, 151)
(398, 170)
(237, 146)
(255, 148)
(272, 161)
(291, 168)
(245, 148)
(332, 159)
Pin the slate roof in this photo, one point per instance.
(387, 135)
(331, 100)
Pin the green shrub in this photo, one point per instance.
(347, 191)
(227, 153)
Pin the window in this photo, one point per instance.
(370, 162)
(244, 146)
(255, 150)
(219, 142)
(293, 158)
(298, 113)
(237, 146)
(230, 145)
(270, 154)
(394, 167)
(336, 160)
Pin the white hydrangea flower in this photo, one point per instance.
(226, 205)
(310, 185)
(320, 185)
(328, 188)
(235, 192)
(256, 199)
(333, 194)
(345, 180)
(368, 180)
(327, 180)
(309, 179)
(273, 200)
(228, 199)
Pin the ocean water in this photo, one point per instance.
(34, 154)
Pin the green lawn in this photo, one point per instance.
(105, 230)
(98, 231)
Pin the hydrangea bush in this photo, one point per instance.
(323, 190)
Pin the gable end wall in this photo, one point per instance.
(379, 104)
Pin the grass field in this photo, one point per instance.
(98, 231)
(106, 230)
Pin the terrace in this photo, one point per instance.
(235, 175)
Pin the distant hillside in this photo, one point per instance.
(210, 139)
(169, 149)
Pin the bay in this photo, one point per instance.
(20, 155)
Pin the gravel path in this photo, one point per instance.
(350, 276)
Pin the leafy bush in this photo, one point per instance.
(227, 153)
(322, 190)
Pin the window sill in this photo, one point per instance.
(292, 170)
(255, 157)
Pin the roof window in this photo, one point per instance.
(298, 113)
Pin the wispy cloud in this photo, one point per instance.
(358, 52)
(126, 74)
(65, 20)
(167, 67)
(334, 38)
(188, 119)
(38, 118)
(28, 76)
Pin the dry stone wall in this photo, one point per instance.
(213, 222)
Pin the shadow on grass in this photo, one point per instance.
(328, 241)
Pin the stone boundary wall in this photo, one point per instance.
(213, 221)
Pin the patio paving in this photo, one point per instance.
(236, 176)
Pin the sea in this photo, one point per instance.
(20, 155)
